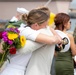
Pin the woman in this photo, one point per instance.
(36, 19)
(20, 12)
(74, 34)
(64, 62)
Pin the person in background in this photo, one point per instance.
(18, 16)
(64, 61)
(17, 20)
(74, 34)
(37, 20)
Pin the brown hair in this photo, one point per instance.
(45, 9)
(60, 20)
(24, 17)
(35, 16)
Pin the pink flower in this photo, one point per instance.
(10, 42)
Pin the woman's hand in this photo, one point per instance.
(1, 51)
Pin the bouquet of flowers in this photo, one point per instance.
(12, 41)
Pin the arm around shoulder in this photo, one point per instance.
(43, 38)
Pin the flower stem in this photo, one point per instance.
(2, 60)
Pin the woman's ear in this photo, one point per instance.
(35, 26)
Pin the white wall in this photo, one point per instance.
(8, 9)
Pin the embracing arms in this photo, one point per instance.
(48, 39)
(43, 38)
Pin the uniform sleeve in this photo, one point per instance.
(30, 46)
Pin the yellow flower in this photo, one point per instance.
(51, 20)
(23, 40)
(12, 36)
(9, 26)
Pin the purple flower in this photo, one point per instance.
(5, 39)
(12, 29)
(16, 30)
(7, 29)
(4, 34)
(10, 42)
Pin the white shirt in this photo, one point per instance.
(14, 19)
(29, 33)
(63, 35)
(41, 60)
(18, 62)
